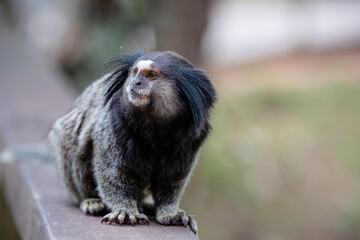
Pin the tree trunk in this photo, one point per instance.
(179, 25)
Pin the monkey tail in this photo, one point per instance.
(33, 153)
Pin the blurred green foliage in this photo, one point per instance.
(288, 158)
(331, 113)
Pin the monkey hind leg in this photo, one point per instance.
(93, 206)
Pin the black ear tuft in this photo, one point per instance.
(121, 64)
(198, 91)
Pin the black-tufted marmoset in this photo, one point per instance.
(134, 131)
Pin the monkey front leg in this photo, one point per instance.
(167, 199)
(121, 196)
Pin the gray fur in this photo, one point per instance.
(112, 149)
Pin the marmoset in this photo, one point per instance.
(135, 131)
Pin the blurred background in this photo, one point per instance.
(283, 161)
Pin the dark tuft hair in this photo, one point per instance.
(197, 90)
(121, 64)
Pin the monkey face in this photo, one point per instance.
(146, 87)
(140, 82)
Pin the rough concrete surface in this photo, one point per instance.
(43, 210)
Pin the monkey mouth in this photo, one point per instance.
(139, 98)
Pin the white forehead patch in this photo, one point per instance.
(144, 64)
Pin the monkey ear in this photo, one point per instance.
(199, 92)
(121, 64)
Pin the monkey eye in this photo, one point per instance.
(135, 70)
(152, 75)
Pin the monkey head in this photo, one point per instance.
(162, 84)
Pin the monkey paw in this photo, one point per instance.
(92, 206)
(125, 216)
(179, 219)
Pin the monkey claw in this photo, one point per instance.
(92, 206)
(181, 219)
(125, 216)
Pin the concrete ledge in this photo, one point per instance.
(32, 96)
(42, 209)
